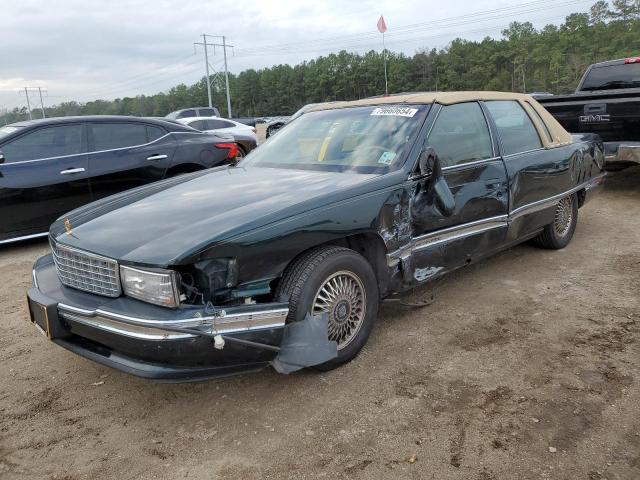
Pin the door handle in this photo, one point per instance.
(157, 157)
(71, 171)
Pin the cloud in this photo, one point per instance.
(106, 49)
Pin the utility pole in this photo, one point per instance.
(26, 94)
(224, 46)
(44, 115)
(206, 65)
(226, 73)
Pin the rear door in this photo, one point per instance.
(476, 176)
(43, 176)
(124, 155)
(535, 174)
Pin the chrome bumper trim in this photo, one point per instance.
(149, 329)
(625, 154)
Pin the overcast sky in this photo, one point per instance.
(88, 49)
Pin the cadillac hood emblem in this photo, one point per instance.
(67, 226)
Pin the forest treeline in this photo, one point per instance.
(525, 59)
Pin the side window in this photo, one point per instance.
(544, 125)
(198, 125)
(514, 126)
(207, 112)
(154, 133)
(44, 143)
(216, 124)
(187, 114)
(461, 135)
(107, 136)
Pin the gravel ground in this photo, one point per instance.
(525, 366)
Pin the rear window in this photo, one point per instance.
(154, 133)
(107, 136)
(612, 77)
(516, 130)
(215, 124)
(207, 112)
(187, 114)
(197, 124)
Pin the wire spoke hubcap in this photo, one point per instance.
(343, 298)
(563, 216)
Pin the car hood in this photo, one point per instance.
(164, 222)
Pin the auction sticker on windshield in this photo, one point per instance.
(395, 111)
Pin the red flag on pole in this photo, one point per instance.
(382, 27)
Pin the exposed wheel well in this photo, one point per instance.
(581, 194)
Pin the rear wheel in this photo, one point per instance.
(341, 283)
(558, 234)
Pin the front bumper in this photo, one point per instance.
(622, 153)
(150, 341)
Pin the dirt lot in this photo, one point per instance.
(525, 366)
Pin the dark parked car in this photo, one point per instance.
(194, 112)
(217, 272)
(48, 167)
(606, 102)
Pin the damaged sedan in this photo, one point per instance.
(283, 258)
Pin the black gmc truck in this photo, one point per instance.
(606, 102)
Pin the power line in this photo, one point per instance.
(152, 73)
(459, 20)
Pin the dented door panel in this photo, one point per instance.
(478, 225)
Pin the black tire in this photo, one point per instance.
(558, 234)
(302, 282)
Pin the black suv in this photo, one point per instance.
(51, 166)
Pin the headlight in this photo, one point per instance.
(153, 286)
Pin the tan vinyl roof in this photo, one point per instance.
(559, 135)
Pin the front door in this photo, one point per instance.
(44, 175)
(477, 178)
(125, 155)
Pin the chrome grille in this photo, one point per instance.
(86, 271)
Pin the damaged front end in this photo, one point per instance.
(191, 342)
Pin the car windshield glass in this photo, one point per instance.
(7, 130)
(362, 139)
(612, 77)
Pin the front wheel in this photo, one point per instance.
(341, 283)
(558, 234)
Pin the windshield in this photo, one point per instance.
(612, 77)
(360, 139)
(8, 130)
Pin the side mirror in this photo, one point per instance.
(439, 191)
(1, 157)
